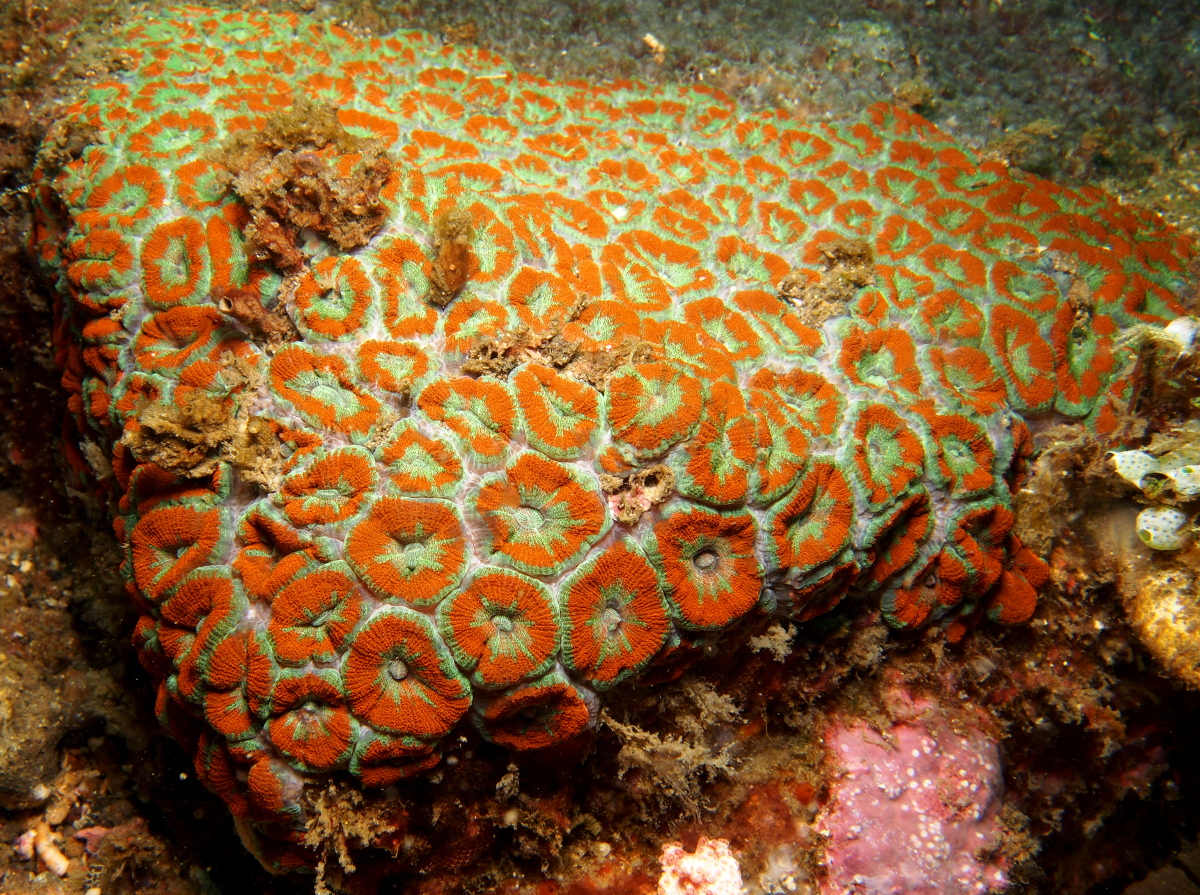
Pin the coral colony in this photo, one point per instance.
(430, 394)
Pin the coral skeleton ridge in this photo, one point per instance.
(431, 393)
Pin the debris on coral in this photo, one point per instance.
(452, 234)
(301, 170)
(844, 267)
(630, 497)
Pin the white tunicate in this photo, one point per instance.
(1162, 528)
(1133, 466)
(1182, 467)
(1183, 331)
(1186, 479)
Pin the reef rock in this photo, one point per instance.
(914, 808)
(429, 395)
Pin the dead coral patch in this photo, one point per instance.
(548, 343)
(189, 437)
(633, 495)
(65, 142)
(1079, 293)
(464, 32)
(452, 235)
(185, 437)
(291, 175)
(595, 367)
(499, 355)
(849, 265)
(1019, 147)
(917, 94)
(1069, 476)
(270, 326)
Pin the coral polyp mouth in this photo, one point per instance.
(397, 670)
(439, 400)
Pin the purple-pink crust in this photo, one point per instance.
(914, 810)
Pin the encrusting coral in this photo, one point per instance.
(547, 384)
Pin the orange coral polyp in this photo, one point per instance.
(479, 412)
(538, 715)
(887, 454)
(323, 390)
(560, 414)
(783, 446)
(314, 614)
(882, 358)
(170, 339)
(412, 551)
(1027, 359)
(540, 516)
(310, 725)
(272, 553)
(1014, 598)
(898, 537)
(331, 488)
(174, 261)
(125, 198)
(382, 760)
(965, 455)
(708, 564)
(615, 617)
(393, 366)
(653, 406)
(100, 261)
(333, 298)
(725, 327)
(168, 542)
(420, 466)
(968, 376)
(951, 317)
(811, 525)
(399, 680)
(502, 628)
(402, 271)
(716, 467)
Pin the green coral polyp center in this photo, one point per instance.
(175, 267)
(706, 561)
(528, 519)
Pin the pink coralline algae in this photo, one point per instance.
(914, 809)
(428, 395)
